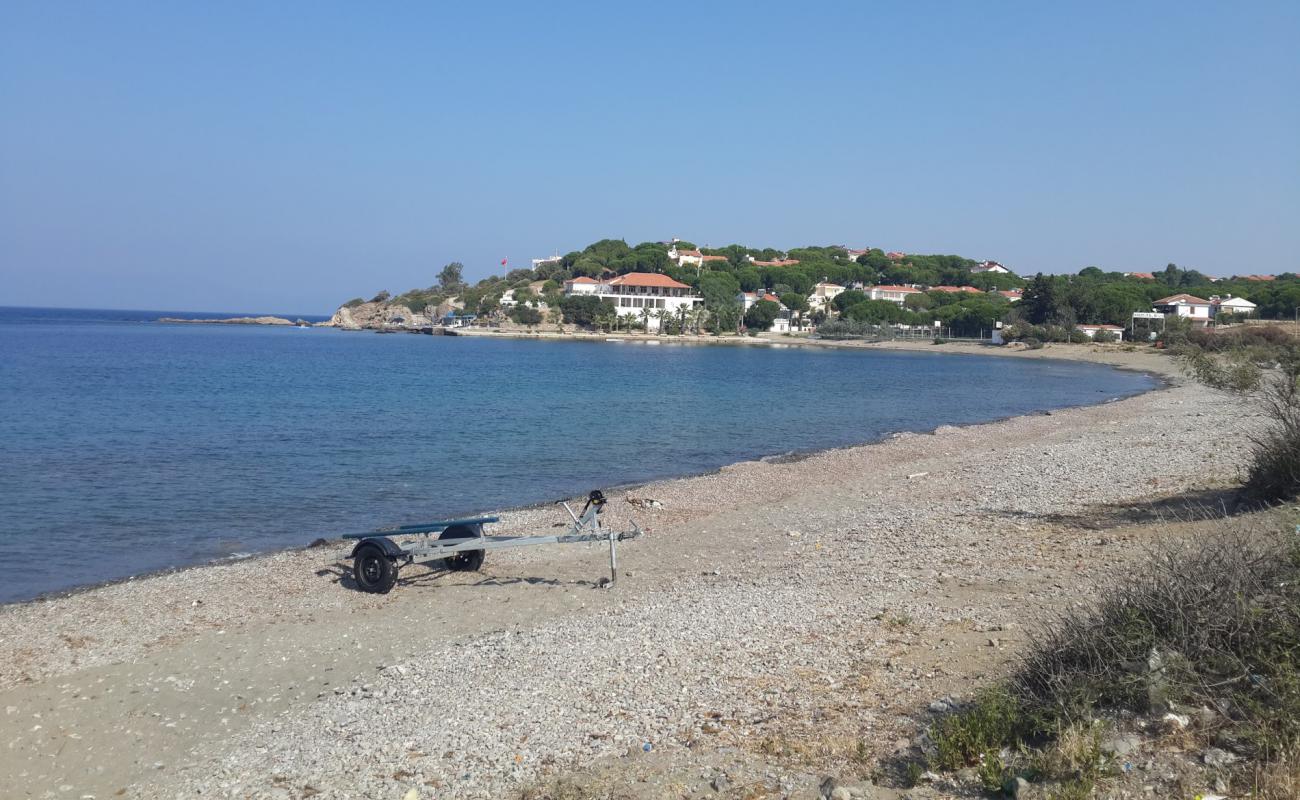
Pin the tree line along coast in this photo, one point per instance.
(837, 291)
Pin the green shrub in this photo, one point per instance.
(995, 720)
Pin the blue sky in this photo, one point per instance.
(288, 156)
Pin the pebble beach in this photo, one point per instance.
(780, 619)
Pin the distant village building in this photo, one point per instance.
(1091, 330)
(748, 299)
(454, 320)
(894, 294)
(780, 262)
(1231, 305)
(691, 257)
(990, 266)
(1185, 305)
(1142, 276)
(581, 285)
(854, 255)
(685, 257)
(895, 256)
(1012, 295)
(637, 291)
(785, 321)
(822, 294)
(952, 289)
(545, 262)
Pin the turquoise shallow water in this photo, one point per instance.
(128, 445)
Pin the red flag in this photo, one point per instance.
(503, 262)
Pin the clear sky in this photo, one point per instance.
(256, 156)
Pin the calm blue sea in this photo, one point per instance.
(127, 445)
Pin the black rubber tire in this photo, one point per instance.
(373, 570)
(465, 560)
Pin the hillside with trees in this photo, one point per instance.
(1092, 296)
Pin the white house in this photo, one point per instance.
(1232, 305)
(543, 262)
(1091, 330)
(748, 299)
(822, 294)
(581, 285)
(637, 291)
(990, 266)
(683, 257)
(1012, 295)
(894, 294)
(1185, 305)
(786, 323)
(693, 257)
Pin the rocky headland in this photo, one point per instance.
(233, 321)
(383, 315)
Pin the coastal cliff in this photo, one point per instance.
(382, 315)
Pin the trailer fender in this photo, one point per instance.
(389, 547)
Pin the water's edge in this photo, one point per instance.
(1161, 382)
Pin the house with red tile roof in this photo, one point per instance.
(1012, 295)
(1142, 276)
(748, 299)
(637, 291)
(952, 289)
(1185, 305)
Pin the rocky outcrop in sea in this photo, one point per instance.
(384, 316)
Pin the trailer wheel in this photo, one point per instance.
(374, 570)
(465, 560)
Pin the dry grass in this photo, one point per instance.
(1279, 779)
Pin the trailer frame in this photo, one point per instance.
(462, 544)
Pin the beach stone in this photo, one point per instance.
(1219, 758)
(1121, 745)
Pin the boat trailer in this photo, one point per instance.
(462, 545)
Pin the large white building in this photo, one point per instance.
(990, 266)
(894, 294)
(637, 291)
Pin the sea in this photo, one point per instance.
(129, 446)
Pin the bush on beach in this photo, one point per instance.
(1261, 365)
(1212, 624)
